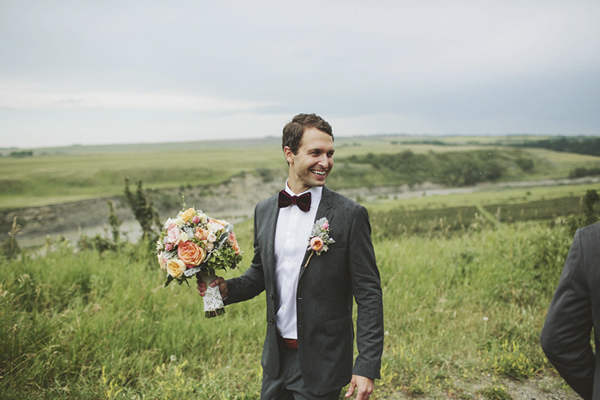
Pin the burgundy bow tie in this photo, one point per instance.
(302, 201)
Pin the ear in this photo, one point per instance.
(289, 154)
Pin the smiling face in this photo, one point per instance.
(313, 162)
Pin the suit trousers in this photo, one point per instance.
(289, 384)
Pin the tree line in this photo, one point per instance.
(578, 145)
(450, 168)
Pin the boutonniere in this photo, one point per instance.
(319, 239)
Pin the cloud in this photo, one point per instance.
(466, 66)
(27, 98)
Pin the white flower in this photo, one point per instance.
(184, 237)
(169, 222)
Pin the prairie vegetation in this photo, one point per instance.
(458, 307)
(466, 279)
(62, 175)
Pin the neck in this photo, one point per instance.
(297, 189)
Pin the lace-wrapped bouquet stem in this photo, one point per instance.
(195, 244)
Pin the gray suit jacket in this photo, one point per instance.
(574, 310)
(324, 298)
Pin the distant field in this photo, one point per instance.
(35, 181)
(58, 175)
(455, 212)
(485, 197)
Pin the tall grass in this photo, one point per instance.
(460, 307)
(89, 325)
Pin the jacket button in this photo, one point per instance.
(271, 321)
(271, 296)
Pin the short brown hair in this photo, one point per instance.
(294, 130)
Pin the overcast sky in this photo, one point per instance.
(96, 72)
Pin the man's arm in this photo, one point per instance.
(366, 287)
(244, 287)
(565, 337)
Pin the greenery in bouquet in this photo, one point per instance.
(193, 242)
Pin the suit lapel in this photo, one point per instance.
(325, 210)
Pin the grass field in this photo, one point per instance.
(466, 284)
(458, 308)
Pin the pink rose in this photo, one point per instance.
(162, 261)
(196, 219)
(169, 246)
(316, 243)
(325, 225)
(174, 234)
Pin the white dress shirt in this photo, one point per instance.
(291, 241)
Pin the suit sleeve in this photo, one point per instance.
(565, 337)
(366, 287)
(252, 282)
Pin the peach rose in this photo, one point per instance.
(176, 268)
(188, 214)
(316, 243)
(219, 221)
(234, 244)
(201, 233)
(190, 253)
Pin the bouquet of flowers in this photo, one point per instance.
(194, 243)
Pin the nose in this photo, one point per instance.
(323, 161)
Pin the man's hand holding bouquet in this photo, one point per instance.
(194, 243)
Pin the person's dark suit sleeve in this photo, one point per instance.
(565, 337)
(366, 287)
(252, 282)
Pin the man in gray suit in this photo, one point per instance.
(574, 311)
(308, 349)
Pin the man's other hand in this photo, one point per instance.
(363, 387)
